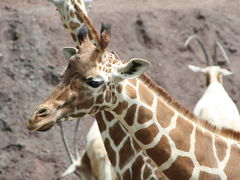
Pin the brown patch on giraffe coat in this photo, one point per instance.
(62, 96)
(121, 107)
(126, 175)
(72, 13)
(164, 115)
(181, 134)
(144, 115)
(125, 153)
(79, 17)
(111, 153)
(221, 148)
(100, 121)
(207, 176)
(117, 133)
(86, 104)
(204, 149)
(108, 96)
(133, 82)
(119, 88)
(129, 117)
(181, 168)
(161, 152)
(136, 168)
(99, 99)
(232, 167)
(78, 115)
(146, 135)
(147, 172)
(108, 116)
(74, 37)
(145, 94)
(114, 98)
(65, 26)
(103, 88)
(73, 25)
(131, 92)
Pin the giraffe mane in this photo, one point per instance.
(225, 132)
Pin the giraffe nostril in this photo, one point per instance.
(42, 112)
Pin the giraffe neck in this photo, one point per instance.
(71, 20)
(127, 158)
(181, 148)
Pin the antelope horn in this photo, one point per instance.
(186, 44)
(218, 45)
(75, 139)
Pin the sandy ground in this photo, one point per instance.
(31, 39)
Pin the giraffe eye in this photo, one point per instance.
(94, 82)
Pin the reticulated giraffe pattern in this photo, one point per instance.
(181, 147)
(127, 158)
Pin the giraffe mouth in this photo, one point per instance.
(46, 127)
(40, 127)
(43, 126)
(37, 127)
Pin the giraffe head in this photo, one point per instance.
(89, 83)
(214, 72)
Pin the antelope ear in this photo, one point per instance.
(196, 68)
(132, 69)
(68, 52)
(225, 72)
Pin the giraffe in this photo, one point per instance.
(96, 81)
(128, 167)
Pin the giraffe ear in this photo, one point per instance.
(132, 69)
(68, 52)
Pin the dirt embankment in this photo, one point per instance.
(31, 38)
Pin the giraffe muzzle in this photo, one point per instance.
(32, 126)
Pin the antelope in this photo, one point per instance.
(215, 105)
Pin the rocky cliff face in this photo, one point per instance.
(31, 39)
